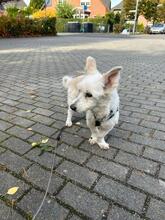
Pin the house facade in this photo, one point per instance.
(85, 8)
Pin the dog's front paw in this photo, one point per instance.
(68, 123)
(104, 146)
(92, 140)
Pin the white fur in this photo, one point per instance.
(104, 98)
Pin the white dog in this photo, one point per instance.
(96, 94)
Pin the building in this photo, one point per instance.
(92, 8)
(118, 8)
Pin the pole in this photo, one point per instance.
(136, 13)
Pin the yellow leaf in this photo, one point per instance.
(44, 141)
(34, 144)
(28, 111)
(12, 190)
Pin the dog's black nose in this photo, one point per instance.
(73, 107)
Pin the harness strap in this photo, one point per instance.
(111, 115)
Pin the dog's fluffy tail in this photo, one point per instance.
(66, 80)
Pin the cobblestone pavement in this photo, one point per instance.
(127, 182)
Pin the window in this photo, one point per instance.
(48, 2)
(85, 2)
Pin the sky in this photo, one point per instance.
(114, 2)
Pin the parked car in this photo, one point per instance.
(157, 29)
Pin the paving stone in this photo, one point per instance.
(88, 204)
(145, 116)
(22, 122)
(8, 108)
(3, 136)
(74, 217)
(125, 145)
(159, 135)
(10, 102)
(162, 172)
(20, 132)
(43, 129)
(8, 181)
(77, 173)
(121, 194)
(117, 213)
(2, 150)
(17, 145)
(4, 125)
(25, 106)
(44, 159)
(154, 154)
(13, 161)
(51, 209)
(119, 133)
(43, 111)
(156, 210)
(5, 213)
(137, 162)
(24, 113)
(153, 125)
(85, 133)
(147, 141)
(136, 128)
(148, 184)
(72, 153)
(132, 120)
(58, 124)
(107, 167)
(38, 176)
(71, 139)
(6, 116)
(59, 116)
(109, 154)
(42, 119)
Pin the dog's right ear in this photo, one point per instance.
(111, 78)
(90, 65)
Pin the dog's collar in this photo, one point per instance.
(105, 118)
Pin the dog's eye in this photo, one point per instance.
(88, 95)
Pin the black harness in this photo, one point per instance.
(105, 118)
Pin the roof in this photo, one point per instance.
(118, 6)
(107, 3)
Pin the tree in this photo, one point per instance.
(161, 12)
(128, 5)
(36, 4)
(65, 10)
(149, 8)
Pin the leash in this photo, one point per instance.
(58, 138)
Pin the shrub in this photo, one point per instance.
(118, 28)
(21, 26)
(65, 10)
(48, 12)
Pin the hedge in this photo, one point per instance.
(21, 26)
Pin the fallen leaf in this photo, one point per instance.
(28, 111)
(44, 141)
(29, 129)
(77, 123)
(12, 190)
(34, 144)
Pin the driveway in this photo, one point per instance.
(126, 182)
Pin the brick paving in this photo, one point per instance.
(126, 182)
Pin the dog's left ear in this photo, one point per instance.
(111, 78)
